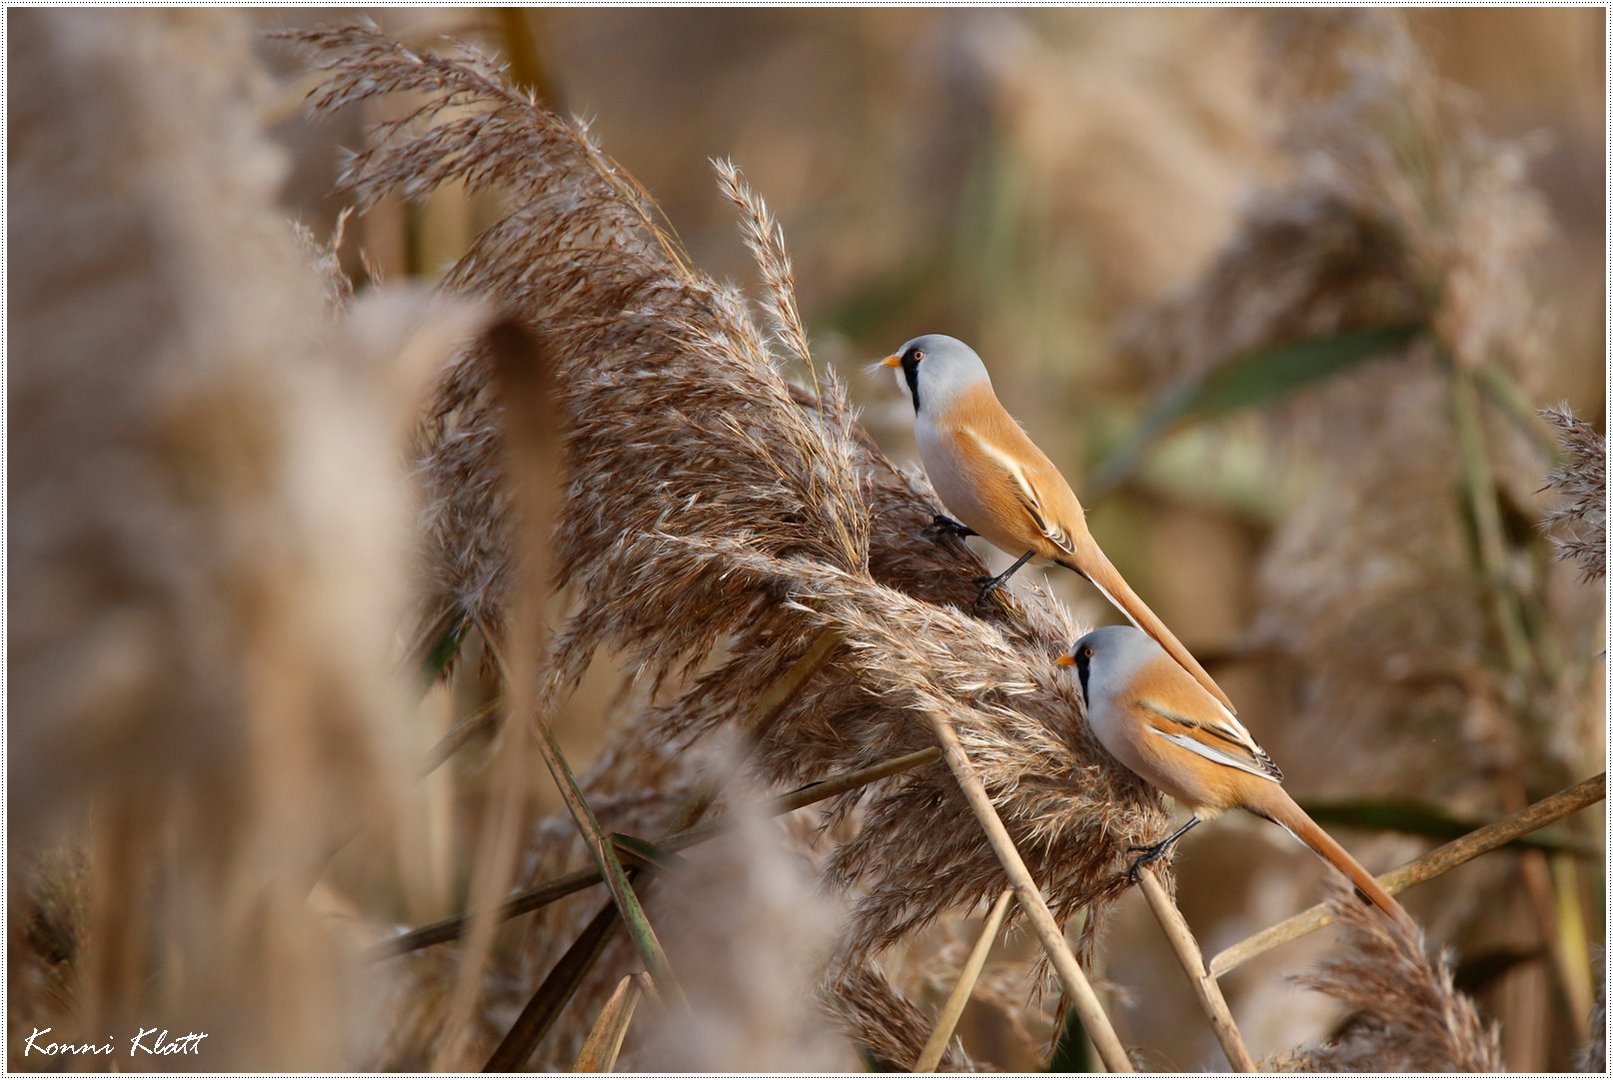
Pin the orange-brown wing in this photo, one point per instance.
(1181, 711)
(1042, 492)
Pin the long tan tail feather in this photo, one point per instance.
(1279, 807)
(1095, 566)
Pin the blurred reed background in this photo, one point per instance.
(1281, 294)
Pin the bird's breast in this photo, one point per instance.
(974, 491)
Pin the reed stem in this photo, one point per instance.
(945, 1024)
(1430, 866)
(1205, 986)
(1031, 901)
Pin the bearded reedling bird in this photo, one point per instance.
(1003, 488)
(1151, 716)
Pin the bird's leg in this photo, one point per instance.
(1151, 852)
(988, 585)
(945, 526)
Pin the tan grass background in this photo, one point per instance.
(218, 444)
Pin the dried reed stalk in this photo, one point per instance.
(554, 993)
(1408, 1015)
(1439, 861)
(527, 900)
(574, 966)
(946, 1022)
(1043, 925)
(1205, 986)
(887, 1026)
(604, 1042)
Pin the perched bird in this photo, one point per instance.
(1160, 724)
(1000, 486)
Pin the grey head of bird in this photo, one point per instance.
(1108, 658)
(936, 369)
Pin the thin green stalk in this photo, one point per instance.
(1479, 481)
(543, 895)
(1500, 390)
(564, 979)
(610, 867)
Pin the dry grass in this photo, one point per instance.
(709, 500)
(215, 554)
(1578, 526)
(208, 557)
(1406, 1014)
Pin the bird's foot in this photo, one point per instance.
(941, 526)
(988, 585)
(1154, 852)
(1151, 853)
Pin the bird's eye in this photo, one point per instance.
(1089, 652)
(918, 354)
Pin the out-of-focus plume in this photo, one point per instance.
(207, 550)
(749, 930)
(1578, 524)
(1137, 159)
(1396, 209)
(888, 1026)
(1407, 1014)
(1592, 1055)
(1420, 635)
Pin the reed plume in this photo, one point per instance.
(1578, 526)
(1407, 1015)
(1394, 207)
(884, 1022)
(709, 501)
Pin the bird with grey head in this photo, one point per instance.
(1157, 721)
(997, 484)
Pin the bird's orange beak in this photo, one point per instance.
(1065, 661)
(892, 361)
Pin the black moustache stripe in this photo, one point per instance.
(910, 369)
